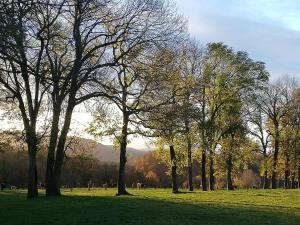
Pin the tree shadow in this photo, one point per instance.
(129, 210)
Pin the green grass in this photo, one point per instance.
(153, 207)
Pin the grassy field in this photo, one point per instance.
(153, 207)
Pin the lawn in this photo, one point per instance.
(152, 207)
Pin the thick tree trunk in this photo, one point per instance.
(203, 170)
(53, 188)
(174, 169)
(211, 170)
(123, 159)
(32, 169)
(229, 173)
(32, 181)
(275, 158)
(50, 184)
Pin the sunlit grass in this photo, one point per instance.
(152, 206)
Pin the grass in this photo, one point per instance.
(153, 207)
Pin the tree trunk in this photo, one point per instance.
(190, 175)
(229, 173)
(174, 169)
(275, 159)
(203, 170)
(123, 159)
(293, 180)
(50, 185)
(287, 173)
(299, 176)
(32, 169)
(265, 179)
(54, 180)
(211, 170)
(189, 151)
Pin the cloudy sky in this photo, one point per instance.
(269, 30)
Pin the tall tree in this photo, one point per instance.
(23, 70)
(275, 101)
(225, 74)
(97, 37)
(258, 129)
(136, 89)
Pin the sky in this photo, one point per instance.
(269, 30)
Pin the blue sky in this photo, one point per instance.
(269, 30)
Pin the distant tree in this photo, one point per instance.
(276, 102)
(258, 129)
(224, 75)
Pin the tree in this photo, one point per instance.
(224, 75)
(190, 65)
(105, 36)
(275, 101)
(257, 128)
(22, 70)
(136, 89)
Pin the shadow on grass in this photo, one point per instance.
(110, 210)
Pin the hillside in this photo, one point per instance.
(106, 153)
(103, 153)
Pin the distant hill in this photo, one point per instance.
(106, 153)
(103, 153)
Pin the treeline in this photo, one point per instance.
(132, 63)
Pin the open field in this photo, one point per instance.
(153, 207)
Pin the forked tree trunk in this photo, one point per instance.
(53, 185)
(275, 158)
(229, 173)
(173, 169)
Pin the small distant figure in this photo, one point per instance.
(139, 185)
(42, 186)
(2, 186)
(89, 185)
(105, 185)
(133, 185)
(13, 187)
